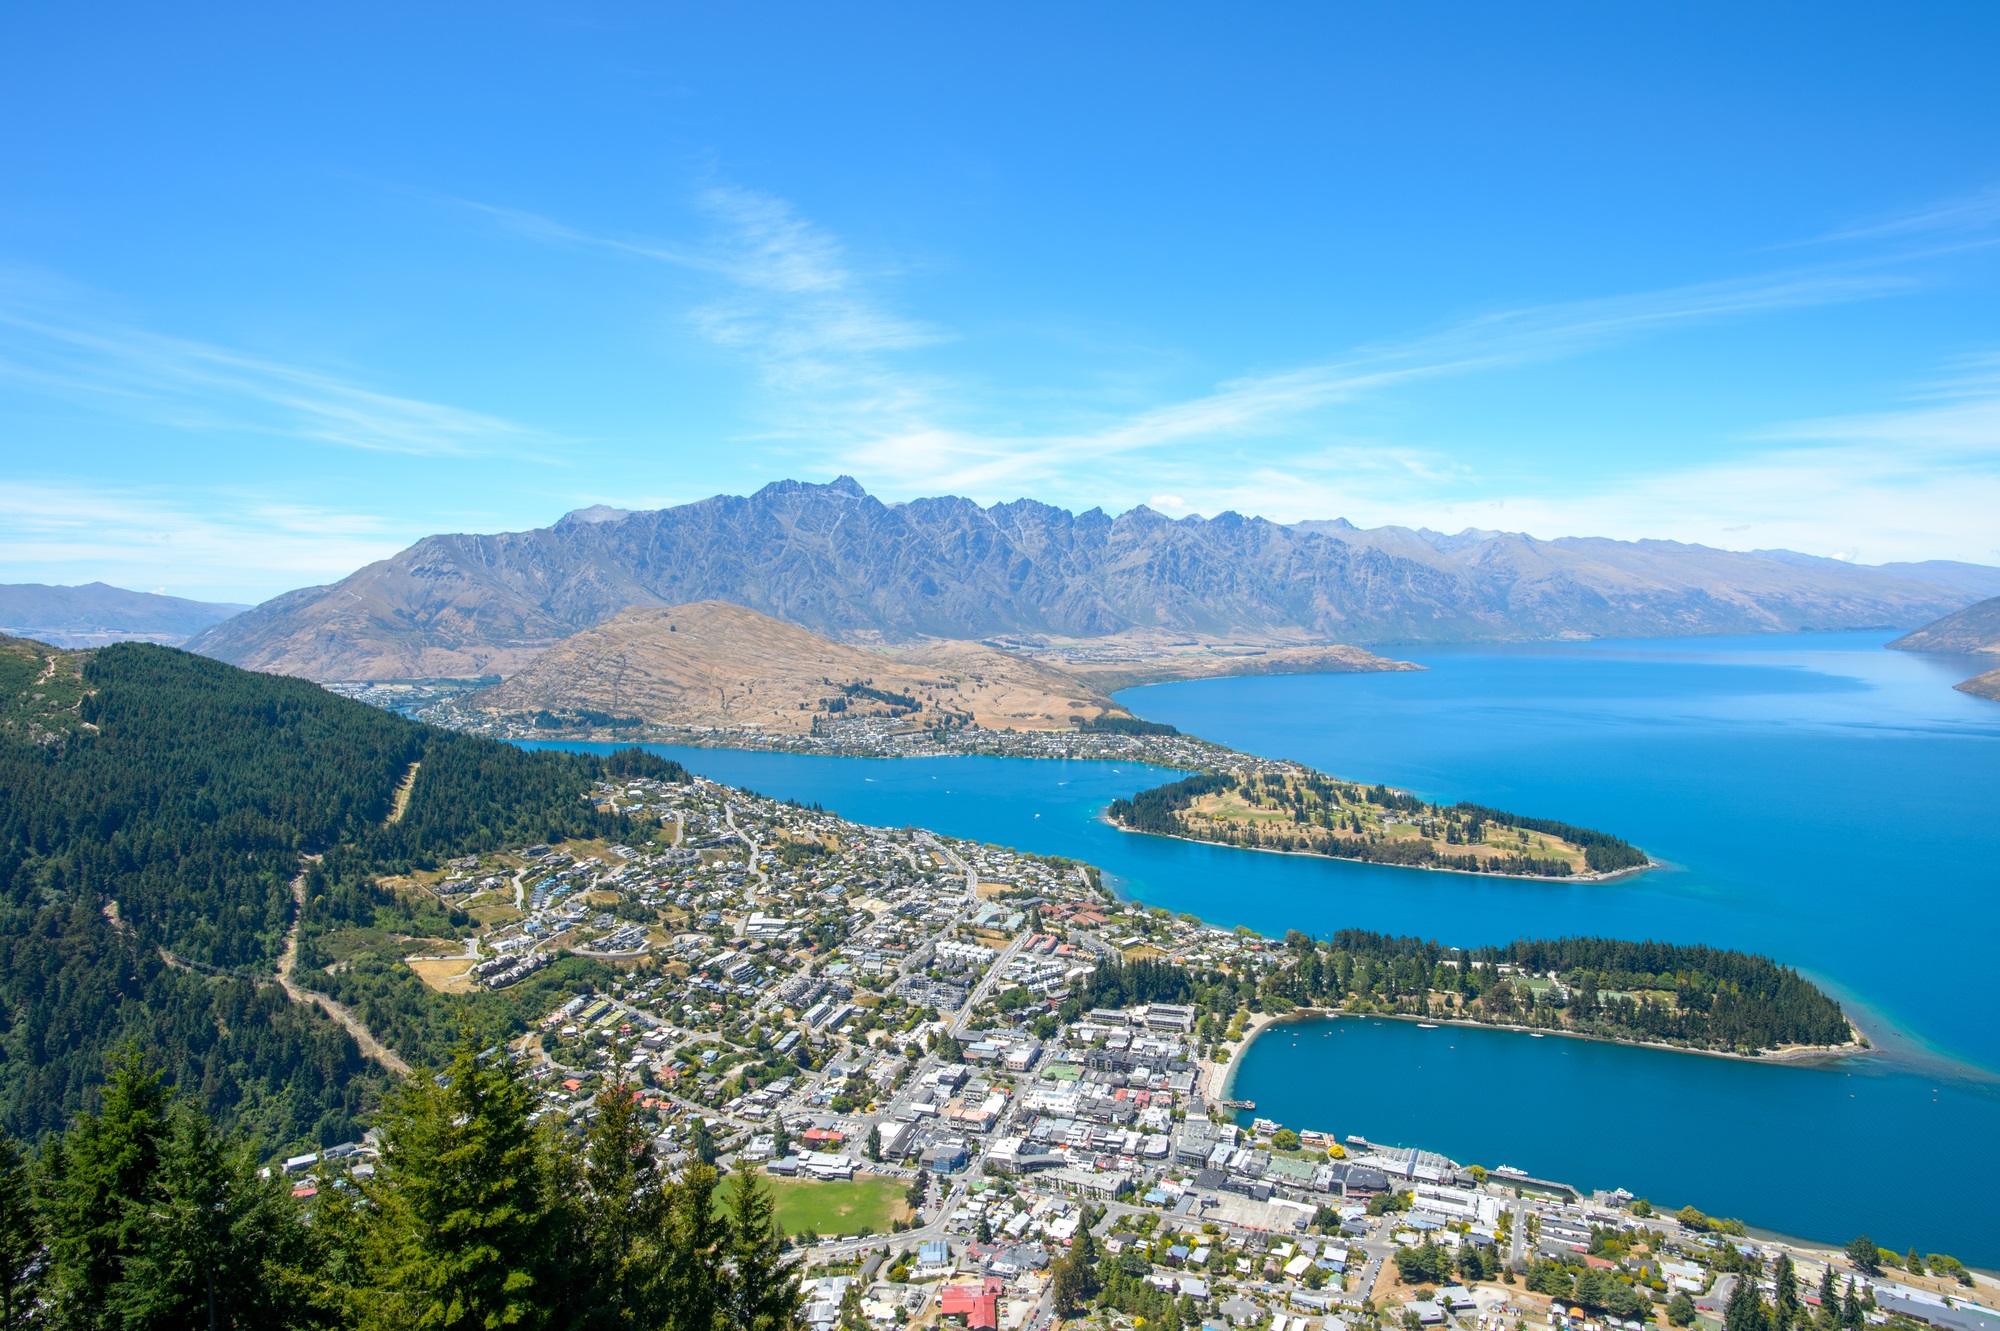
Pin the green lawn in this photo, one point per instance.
(839, 1208)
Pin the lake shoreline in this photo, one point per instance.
(1790, 1055)
(1591, 878)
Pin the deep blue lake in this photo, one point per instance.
(1815, 798)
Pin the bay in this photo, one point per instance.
(1816, 798)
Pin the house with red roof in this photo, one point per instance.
(978, 1302)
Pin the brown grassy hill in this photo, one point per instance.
(1973, 629)
(1985, 686)
(717, 664)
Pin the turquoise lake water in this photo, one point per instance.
(1815, 798)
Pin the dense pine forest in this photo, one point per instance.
(1701, 997)
(155, 807)
(143, 1214)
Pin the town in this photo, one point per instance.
(902, 1031)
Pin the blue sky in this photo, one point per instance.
(280, 292)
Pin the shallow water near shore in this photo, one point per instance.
(1814, 797)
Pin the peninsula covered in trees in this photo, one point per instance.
(1292, 809)
(1703, 998)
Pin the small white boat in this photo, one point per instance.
(1426, 1026)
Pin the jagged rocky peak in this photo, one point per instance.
(597, 513)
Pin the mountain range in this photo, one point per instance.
(96, 613)
(836, 560)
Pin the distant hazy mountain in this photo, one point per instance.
(838, 561)
(95, 614)
(1985, 686)
(1973, 629)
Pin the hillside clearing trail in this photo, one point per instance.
(403, 789)
(298, 993)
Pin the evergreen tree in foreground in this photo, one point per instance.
(1744, 1311)
(1785, 1306)
(460, 1217)
(20, 1240)
(764, 1286)
(627, 1211)
(477, 1220)
(95, 1181)
(211, 1237)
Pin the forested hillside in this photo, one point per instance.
(154, 809)
(1701, 997)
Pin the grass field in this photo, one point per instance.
(839, 1208)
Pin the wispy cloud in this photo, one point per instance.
(792, 300)
(1259, 405)
(1917, 482)
(50, 343)
(847, 389)
(1968, 214)
(221, 545)
(843, 394)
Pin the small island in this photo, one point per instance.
(1304, 812)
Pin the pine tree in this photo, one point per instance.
(624, 1210)
(1829, 1298)
(208, 1238)
(1850, 1309)
(763, 1289)
(688, 1255)
(874, 1142)
(21, 1247)
(1914, 1262)
(1784, 1294)
(96, 1177)
(1744, 1311)
(460, 1239)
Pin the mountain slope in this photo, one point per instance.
(717, 664)
(155, 807)
(834, 559)
(1973, 629)
(95, 614)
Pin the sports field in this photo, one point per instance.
(839, 1208)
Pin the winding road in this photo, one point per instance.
(298, 993)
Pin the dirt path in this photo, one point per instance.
(298, 993)
(409, 783)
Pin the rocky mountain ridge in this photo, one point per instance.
(838, 561)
